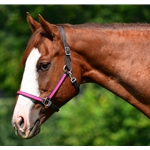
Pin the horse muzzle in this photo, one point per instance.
(24, 131)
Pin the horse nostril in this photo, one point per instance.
(21, 122)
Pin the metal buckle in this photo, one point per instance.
(67, 51)
(46, 101)
(73, 80)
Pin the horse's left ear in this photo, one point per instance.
(34, 25)
(49, 28)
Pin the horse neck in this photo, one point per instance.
(89, 50)
(113, 59)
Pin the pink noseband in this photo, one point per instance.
(46, 101)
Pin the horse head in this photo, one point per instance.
(49, 79)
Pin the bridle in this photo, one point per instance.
(67, 72)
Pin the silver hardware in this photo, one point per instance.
(67, 51)
(46, 101)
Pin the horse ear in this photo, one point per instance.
(34, 25)
(49, 28)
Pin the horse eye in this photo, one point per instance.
(43, 66)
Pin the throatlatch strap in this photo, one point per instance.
(67, 51)
(75, 84)
(66, 48)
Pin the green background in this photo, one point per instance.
(95, 116)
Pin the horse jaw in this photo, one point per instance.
(26, 126)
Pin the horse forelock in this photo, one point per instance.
(33, 42)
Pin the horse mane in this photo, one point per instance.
(114, 26)
(40, 33)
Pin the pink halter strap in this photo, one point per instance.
(46, 101)
(67, 72)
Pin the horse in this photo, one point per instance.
(60, 57)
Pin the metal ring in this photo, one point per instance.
(66, 70)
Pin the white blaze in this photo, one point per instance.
(29, 85)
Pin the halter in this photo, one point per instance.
(67, 72)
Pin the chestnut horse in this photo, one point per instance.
(58, 58)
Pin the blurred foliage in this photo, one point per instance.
(95, 116)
